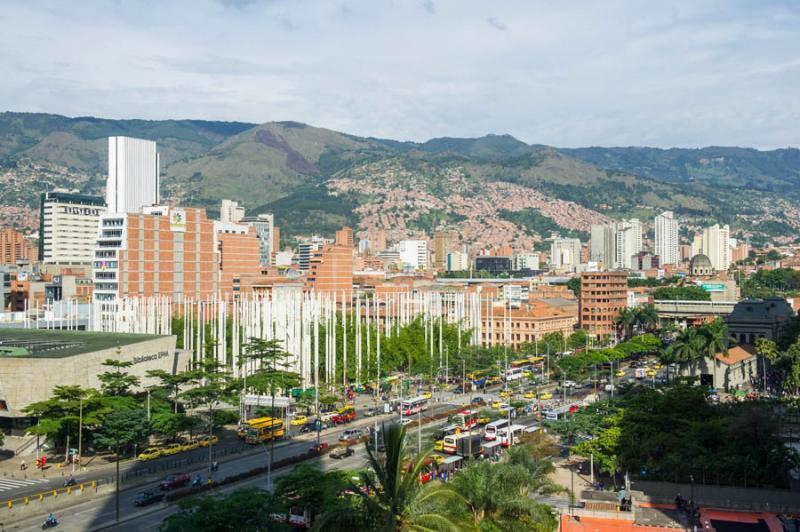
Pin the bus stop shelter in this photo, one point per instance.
(490, 449)
(449, 466)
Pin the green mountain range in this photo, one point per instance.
(318, 179)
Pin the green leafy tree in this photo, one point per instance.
(173, 382)
(680, 293)
(244, 510)
(214, 387)
(117, 381)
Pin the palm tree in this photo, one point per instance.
(767, 350)
(688, 346)
(646, 317)
(497, 497)
(626, 318)
(717, 337)
(393, 497)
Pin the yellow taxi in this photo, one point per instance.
(172, 448)
(545, 396)
(650, 372)
(204, 441)
(427, 395)
(620, 373)
(438, 458)
(483, 420)
(438, 445)
(497, 404)
(190, 446)
(529, 395)
(657, 366)
(505, 394)
(149, 454)
(494, 378)
(299, 421)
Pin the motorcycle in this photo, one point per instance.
(69, 482)
(51, 522)
(214, 466)
(198, 481)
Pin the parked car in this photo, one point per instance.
(569, 384)
(406, 421)
(174, 481)
(147, 497)
(149, 454)
(299, 421)
(190, 446)
(172, 448)
(478, 401)
(342, 452)
(350, 434)
(203, 441)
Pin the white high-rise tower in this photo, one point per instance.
(133, 174)
(667, 238)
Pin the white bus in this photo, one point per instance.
(466, 419)
(450, 445)
(490, 431)
(513, 374)
(413, 406)
(510, 435)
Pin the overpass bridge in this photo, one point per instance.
(684, 309)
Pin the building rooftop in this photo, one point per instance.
(42, 343)
(736, 354)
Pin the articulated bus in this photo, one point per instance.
(491, 429)
(413, 406)
(265, 432)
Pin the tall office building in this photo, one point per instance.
(331, 269)
(715, 244)
(414, 253)
(161, 250)
(264, 225)
(230, 211)
(344, 237)
(526, 261)
(603, 245)
(565, 253)
(602, 296)
(629, 242)
(306, 249)
(667, 238)
(14, 246)
(442, 242)
(68, 227)
(457, 261)
(133, 178)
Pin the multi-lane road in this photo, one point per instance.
(99, 513)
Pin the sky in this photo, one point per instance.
(562, 73)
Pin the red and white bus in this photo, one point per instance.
(466, 419)
(412, 406)
(491, 429)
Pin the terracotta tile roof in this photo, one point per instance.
(736, 354)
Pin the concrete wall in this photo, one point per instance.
(27, 380)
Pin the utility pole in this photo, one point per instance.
(80, 434)
(419, 432)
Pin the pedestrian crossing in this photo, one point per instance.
(14, 483)
(555, 501)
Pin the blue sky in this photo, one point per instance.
(611, 73)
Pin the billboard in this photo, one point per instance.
(177, 220)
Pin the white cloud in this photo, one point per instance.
(568, 74)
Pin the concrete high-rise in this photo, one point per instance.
(565, 253)
(604, 244)
(230, 211)
(715, 244)
(667, 238)
(68, 227)
(414, 253)
(133, 175)
(344, 237)
(264, 225)
(629, 242)
(442, 243)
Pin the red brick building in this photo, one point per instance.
(603, 295)
(14, 246)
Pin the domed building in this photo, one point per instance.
(700, 265)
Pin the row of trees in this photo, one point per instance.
(694, 343)
(675, 434)
(390, 497)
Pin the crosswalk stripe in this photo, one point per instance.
(7, 484)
